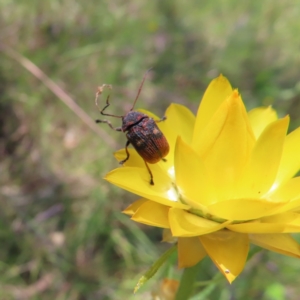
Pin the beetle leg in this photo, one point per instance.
(127, 157)
(160, 120)
(164, 159)
(151, 175)
(99, 92)
(109, 124)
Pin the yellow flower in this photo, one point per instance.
(228, 181)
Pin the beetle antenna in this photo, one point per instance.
(140, 89)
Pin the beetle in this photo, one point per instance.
(141, 132)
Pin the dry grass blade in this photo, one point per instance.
(60, 93)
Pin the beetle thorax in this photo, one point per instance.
(131, 119)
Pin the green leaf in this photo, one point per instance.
(154, 268)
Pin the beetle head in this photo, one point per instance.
(132, 118)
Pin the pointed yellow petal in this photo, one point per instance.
(132, 208)
(190, 252)
(287, 218)
(288, 206)
(288, 191)
(281, 243)
(217, 92)
(149, 113)
(290, 162)
(180, 122)
(198, 190)
(243, 209)
(226, 145)
(260, 118)
(283, 223)
(184, 224)
(265, 159)
(136, 180)
(228, 250)
(258, 227)
(135, 160)
(153, 214)
(289, 221)
(289, 195)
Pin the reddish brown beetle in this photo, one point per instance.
(141, 131)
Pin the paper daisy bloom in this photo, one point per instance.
(228, 181)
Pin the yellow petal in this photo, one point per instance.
(265, 159)
(288, 218)
(153, 214)
(132, 208)
(149, 114)
(135, 160)
(288, 191)
(258, 227)
(283, 223)
(281, 243)
(260, 118)
(290, 162)
(243, 209)
(190, 252)
(192, 179)
(226, 145)
(184, 224)
(217, 92)
(228, 250)
(180, 122)
(288, 206)
(136, 180)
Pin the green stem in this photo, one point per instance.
(187, 281)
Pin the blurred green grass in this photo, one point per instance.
(61, 229)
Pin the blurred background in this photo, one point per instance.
(62, 233)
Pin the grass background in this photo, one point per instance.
(62, 235)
